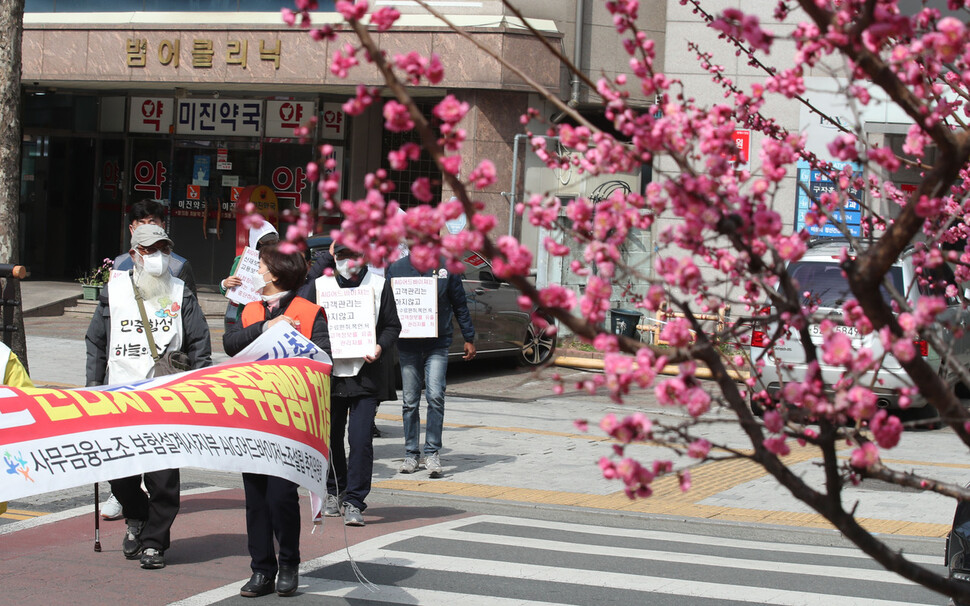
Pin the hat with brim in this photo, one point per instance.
(340, 247)
(146, 235)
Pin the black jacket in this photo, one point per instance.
(195, 337)
(237, 336)
(451, 301)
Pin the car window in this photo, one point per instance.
(828, 287)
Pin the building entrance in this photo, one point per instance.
(207, 178)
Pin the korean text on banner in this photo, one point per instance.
(270, 417)
(417, 306)
(351, 320)
(248, 271)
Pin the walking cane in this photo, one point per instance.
(97, 520)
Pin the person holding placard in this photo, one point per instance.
(272, 503)
(258, 236)
(426, 302)
(363, 323)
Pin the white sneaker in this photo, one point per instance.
(111, 509)
(410, 465)
(433, 464)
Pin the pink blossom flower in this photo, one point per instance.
(684, 478)
(450, 110)
(352, 10)
(384, 18)
(421, 188)
(397, 118)
(483, 175)
(865, 456)
(777, 445)
(774, 422)
(699, 449)
(886, 428)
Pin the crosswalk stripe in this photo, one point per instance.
(599, 578)
(675, 537)
(389, 594)
(675, 557)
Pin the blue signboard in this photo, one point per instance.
(811, 185)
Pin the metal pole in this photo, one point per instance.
(97, 519)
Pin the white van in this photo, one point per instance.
(818, 273)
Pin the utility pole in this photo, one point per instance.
(11, 35)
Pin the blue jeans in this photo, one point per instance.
(425, 369)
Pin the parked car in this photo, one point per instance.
(818, 273)
(502, 329)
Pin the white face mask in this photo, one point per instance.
(345, 269)
(266, 280)
(156, 263)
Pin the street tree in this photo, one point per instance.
(720, 240)
(11, 29)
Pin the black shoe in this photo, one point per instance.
(258, 585)
(152, 559)
(374, 431)
(131, 545)
(287, 581)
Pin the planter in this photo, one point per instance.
(90, 292)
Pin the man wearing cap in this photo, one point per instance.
(152, 212)
(118, 352)
(356, 387)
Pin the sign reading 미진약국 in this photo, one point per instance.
(417, 306)
(812, 184)
(219, 117)
(351, 320)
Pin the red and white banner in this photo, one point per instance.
(270, 417)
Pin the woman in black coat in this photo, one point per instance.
(272, 503)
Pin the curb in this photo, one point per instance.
(597, 364)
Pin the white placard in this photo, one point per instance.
(417, 306)
(351, 320)
(281, 341)
(151, 115)
(230, 180)
(252, 282)
(220, 117)
(282, 117)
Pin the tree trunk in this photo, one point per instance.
(11, 33)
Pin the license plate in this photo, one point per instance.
(816, 331)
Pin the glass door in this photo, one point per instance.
(207, 176)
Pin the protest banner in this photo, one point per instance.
(252, 283)
(270, 417)
(417, 306)
(351, 321)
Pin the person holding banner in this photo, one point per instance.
(363, 323)
(272, 503)
(119, 350)
(14, 375)
(426, 302)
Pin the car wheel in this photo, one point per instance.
(537, 347)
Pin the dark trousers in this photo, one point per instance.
(158, 509)
(352, 474)
(272, 510)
